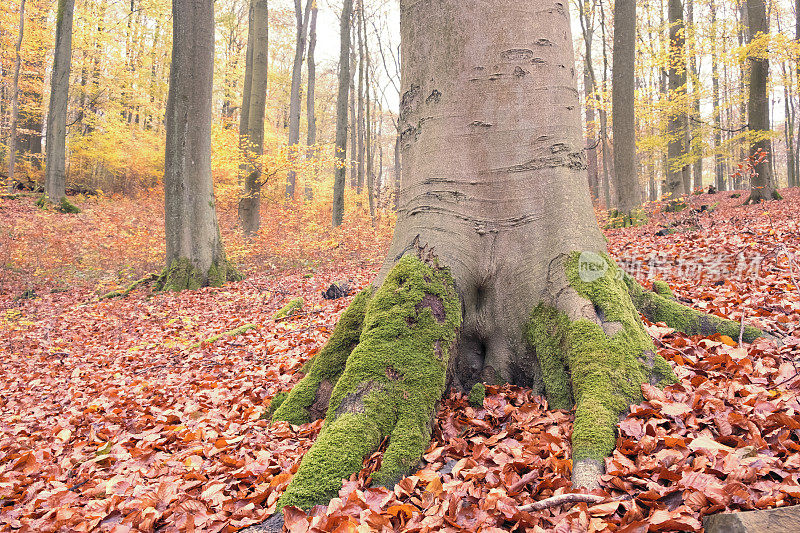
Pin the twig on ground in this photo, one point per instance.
(562, 499)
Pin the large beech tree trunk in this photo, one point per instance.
(251, 122)
(195, 256)
(497, 270)
(762, 186)
(56, 155)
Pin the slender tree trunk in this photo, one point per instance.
(626, 179)
(195, 256)
(762, 183)
(696, 135)
(340, 176)
(56, 155)
(589, 86)
(353, 116)
(312, 152)
(604, 116)
(367, 120)
(301, 16)
(360, 123)
(12, 137)
(677, 174)
(251, 121)
(719, 166)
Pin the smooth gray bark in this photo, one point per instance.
(56, 143)
(12, 140)
(251, 121)
(301, 19)
(360, 123)
(623, 87)
(719, 163)
(677, 173)
(696, 131)
(589, 87)
(337, 212)
(762, 184)
(312, 151)
(195, 256)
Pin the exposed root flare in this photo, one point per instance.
(181, 275)
(390, 383)
(594, 355)
(658, 308)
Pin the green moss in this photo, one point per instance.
(294, 305)
(390, 385)
(675, 206)
(662, 288)
(477, 394)
(602, 373)
(659, 309)
(127, 290)
(230, 333)
(276, 402)
(621, 219)
(41, 202)
(180, 275)
(329, 363)
(65, 206)
(776, 195)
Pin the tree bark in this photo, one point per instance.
(56, 143)
(696, 131)
(361, 125)
(301, 17)
(337, 211)
(195, 256)
(497, 270)
(311, 139)
(762, 183)
(589, 87)
(604, 116)
(367, 121)
(623, 87)
(719, 164)
(12, 137)
(251, 120)
(677, 182)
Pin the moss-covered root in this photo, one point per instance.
(308, 400)
(276, 402)
(390, 385)
(657, 308)
(596, 361)
(662, 289)
(181, 275)
(477, 394)
(294, 306)
(229, 333)
(127, 290)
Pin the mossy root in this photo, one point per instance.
(390, 385)
(294, 306)
(657, 308)
(596, 363)
(127, 290)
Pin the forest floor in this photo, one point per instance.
(117, 416)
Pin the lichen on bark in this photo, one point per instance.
(390, 385)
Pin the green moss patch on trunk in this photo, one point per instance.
(657, 308)
(390, 385)
(600, 372)
(328, 364)
(181, 275)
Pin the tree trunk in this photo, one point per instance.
(762, 184)
(497, 270)
(623, 117)
(367, 120)
(676, 182)
(360, 123)
(301, 17)
(719, 164)
(353, 116)
(311, 139)
(56, 144)
(195, 256)
(589, 87)
(251, 121)
(604, 116)
(12, 138)
(696, 131)
(337, 211)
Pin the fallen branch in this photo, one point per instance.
(229, 333)
(561, 499)
(127, 290)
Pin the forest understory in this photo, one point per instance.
(134, 413)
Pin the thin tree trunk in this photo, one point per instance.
(589, 87)
(762, 182)
(195, 256)
(301, 17)
(696, 144)
(677, 174)
(56, 156)
(12, 140)
(337, 212)
(626, 180)
(604, 116)
(353, 116)
(251, 120)
(360, 124)
(312, 152)
(719, 165)
(367, 146)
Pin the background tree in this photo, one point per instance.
(497, 270)
(762, 185)
(251, 122)
(195, 256)
(677, 181)
(340, 154)
(312, 151)
(56, 144)
(12, 144)
(623, 110)
(302, 17)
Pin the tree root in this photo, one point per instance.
(230, 333)
(391, 383)
(127, 290)
(657, 308)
